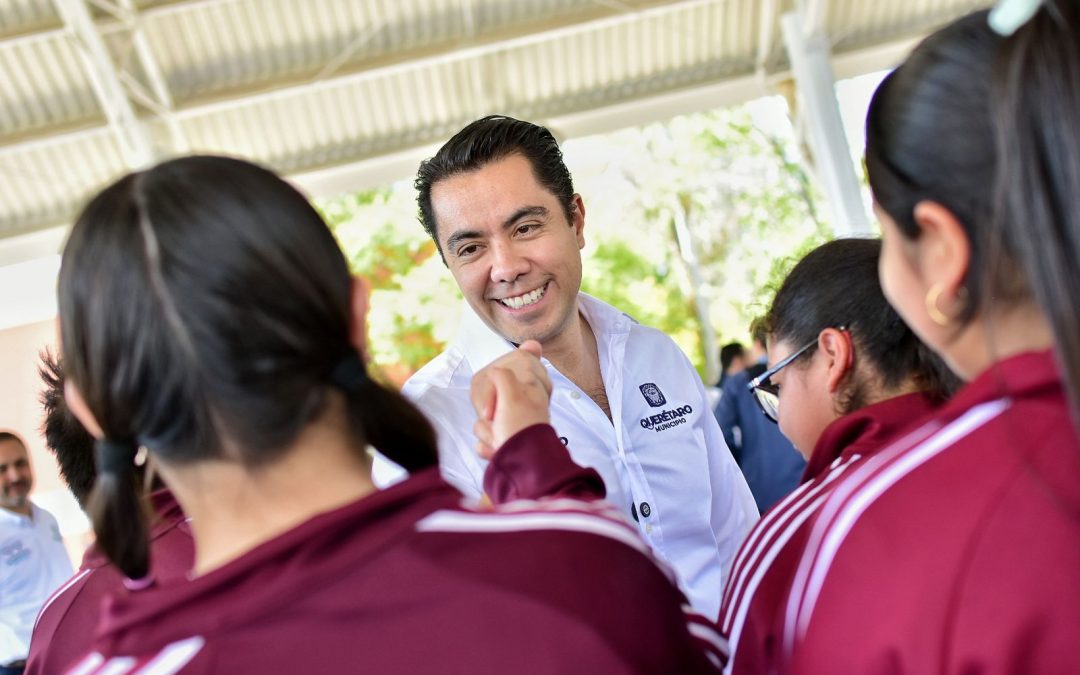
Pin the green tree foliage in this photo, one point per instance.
(414, 302)
(738, 186)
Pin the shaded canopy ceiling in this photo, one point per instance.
(343, 94)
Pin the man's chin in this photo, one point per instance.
(15, 501)
(517, 332)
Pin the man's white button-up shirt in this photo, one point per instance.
(661, 455)
(33, 564)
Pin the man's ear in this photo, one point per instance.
(835, 344)
(577, 218)
(944, 248)
(359, 303)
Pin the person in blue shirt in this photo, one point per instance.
(769, 462)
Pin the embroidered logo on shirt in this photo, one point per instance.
(667, 419)
(14, 552)
(652, 394)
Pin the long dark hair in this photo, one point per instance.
(986, 126)
(204, 305)
(836, 285)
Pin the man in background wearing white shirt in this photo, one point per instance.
(499, 203)
(33, 560)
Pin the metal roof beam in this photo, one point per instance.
(131, 134)
(158, 85)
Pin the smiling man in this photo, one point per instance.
(499, 203)
(33, 560)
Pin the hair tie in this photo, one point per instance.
(115, 457)
(349, 373)
(1008, 15)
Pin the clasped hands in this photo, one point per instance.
(510, 394)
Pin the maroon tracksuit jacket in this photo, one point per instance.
(756, 595)
(66, 624)
(410, 580)
(957, 551)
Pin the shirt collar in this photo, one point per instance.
(866, 430)
(482, 345)
(13, 516)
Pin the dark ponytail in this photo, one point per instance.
(1035, 100)
(385, 418)
(986, 126)
(121, 524)
(203, 303)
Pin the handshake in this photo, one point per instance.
(510, 394)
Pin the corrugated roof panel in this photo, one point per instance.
(18, 16)
(432, 66)
(855, 23)
(300, 131)
(208, 49)
(44, 85)
(609, 64)
(44, 186)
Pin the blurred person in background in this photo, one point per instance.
(767, 459)
(33, 560)
(66, 626)
(732, 360)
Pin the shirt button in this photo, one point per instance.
(575, 395)
(648, 529)
(645, 509)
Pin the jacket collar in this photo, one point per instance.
(866, 430)
(1019, 376)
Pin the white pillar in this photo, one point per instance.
(808, 50)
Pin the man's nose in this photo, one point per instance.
(507, 263)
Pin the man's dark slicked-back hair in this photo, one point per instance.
(490, 139)
(12, 436)
(728, 353)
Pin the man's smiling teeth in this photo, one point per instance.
(524, 300)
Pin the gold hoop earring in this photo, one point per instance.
(936, 315)
(932, 296)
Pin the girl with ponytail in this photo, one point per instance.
(208, 316)
(957, 548)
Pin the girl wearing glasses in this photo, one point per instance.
(957, 548)
(847, 375)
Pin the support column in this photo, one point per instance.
(808, 50)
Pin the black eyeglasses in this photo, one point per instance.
(765, 392)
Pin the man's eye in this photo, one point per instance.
(467, 250)
(526, 228)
